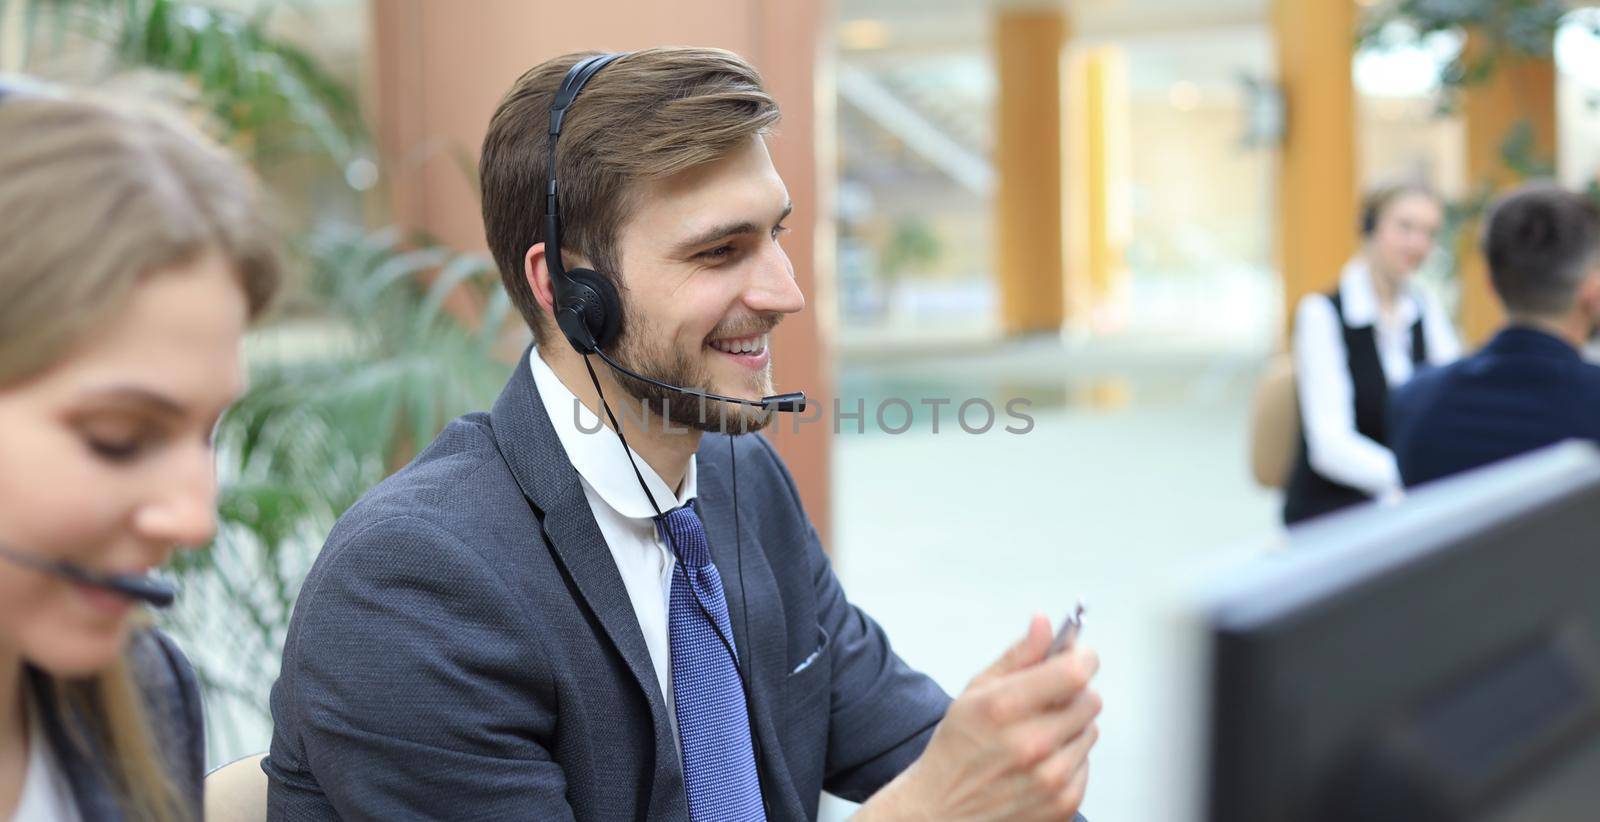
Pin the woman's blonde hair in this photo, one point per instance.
(108, 713)
(97, 196)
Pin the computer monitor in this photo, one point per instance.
(1434, 660)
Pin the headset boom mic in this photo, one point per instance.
(791, 402)
(145, 589)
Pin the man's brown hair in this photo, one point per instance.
(1541, 241)
(648, 115)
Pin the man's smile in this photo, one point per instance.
(749, 352)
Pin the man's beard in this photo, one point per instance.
(673, 367)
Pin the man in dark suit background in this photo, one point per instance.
(1529, 387)
(537, 619)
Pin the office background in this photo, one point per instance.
(1104, 208)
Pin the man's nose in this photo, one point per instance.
(773, 289)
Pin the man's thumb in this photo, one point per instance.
(1028, 651)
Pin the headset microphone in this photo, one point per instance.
(793, 402)
(145, 589)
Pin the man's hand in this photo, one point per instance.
(1014, 745)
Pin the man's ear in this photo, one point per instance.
(537, 273)
(1589, 295)
(536, 270)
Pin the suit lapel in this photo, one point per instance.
(528, 443)
(762, 644)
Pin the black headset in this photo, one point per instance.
(587, 307)
(1371, 209)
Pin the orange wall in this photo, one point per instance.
(440, 69)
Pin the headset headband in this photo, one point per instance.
(577, 77)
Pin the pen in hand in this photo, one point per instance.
(1067, 634)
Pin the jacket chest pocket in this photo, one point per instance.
(805, 690)
(805, 715)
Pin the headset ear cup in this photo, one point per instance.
(570, 319)
(597, 304)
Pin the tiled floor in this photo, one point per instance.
(1136, 476)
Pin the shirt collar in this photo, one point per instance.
(1360, 298)
(597, 455)
(1526, 339)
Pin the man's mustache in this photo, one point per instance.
(746, 327)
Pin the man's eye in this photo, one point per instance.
(718, 253)
(779, 230)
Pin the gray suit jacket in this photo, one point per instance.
(464, 647)
(172, 710)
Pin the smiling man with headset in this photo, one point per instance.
(543, 617)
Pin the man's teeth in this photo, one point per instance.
(747, 345)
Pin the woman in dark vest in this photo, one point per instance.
(132, 256)
(1355, 344)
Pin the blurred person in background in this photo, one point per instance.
(1354, 345)
(508, 627)
(1529, 387)
(132, 256)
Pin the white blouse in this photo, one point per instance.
(46, 793)
(1327, 394)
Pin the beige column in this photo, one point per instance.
(13, 22)
(1520, 91)
(1317, 185)
(440, 69)
(1028, 158)
(1097, 217)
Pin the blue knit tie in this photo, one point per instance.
(719, 764)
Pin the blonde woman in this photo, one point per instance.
(1356, 343)
(132, 257)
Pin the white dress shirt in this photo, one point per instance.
(46, 793)
(1327, 393)
(623, 513)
